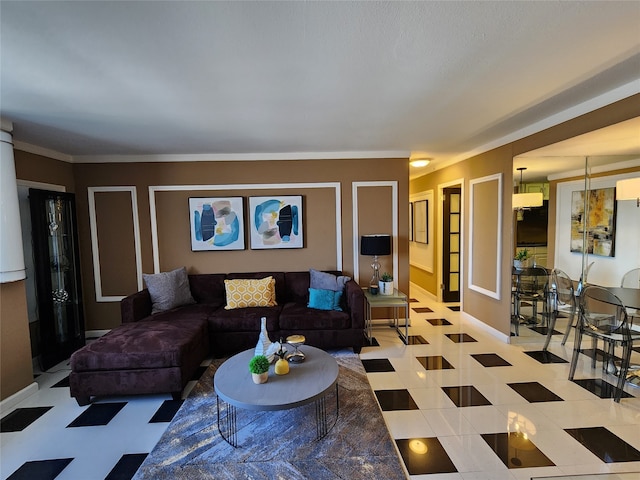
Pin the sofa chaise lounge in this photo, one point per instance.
(160, 352)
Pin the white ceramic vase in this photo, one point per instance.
(265, 346)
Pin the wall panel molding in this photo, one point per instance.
(485, 206)
(241, 187)
(91, 191)
(394, 222)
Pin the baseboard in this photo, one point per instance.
(487, 328)
(10, 402)
(413, 286)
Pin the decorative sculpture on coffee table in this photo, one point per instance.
(265, 346)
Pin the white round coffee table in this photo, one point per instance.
(306, 382)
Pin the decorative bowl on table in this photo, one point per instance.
(296, 341)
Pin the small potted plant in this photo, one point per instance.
(259, 368)
(386, 284)
(520, 259)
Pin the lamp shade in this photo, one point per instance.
(527, 200)
(375, 245)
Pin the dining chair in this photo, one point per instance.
(561, 298)
(602, 316)
(631, 279)
(531, 287)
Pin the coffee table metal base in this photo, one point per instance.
(228, 422)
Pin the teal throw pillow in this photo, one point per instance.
(321, 299)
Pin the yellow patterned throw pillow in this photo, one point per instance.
(242, 293)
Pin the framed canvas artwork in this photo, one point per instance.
(275, 222)
(216, 223)
(600, 224)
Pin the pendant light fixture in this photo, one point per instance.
(522, 200)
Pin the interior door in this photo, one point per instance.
(451, 248)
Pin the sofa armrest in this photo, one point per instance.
(136, 306)
(355, 303)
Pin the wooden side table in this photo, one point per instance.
(396, 301)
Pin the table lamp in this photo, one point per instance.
(376, 245)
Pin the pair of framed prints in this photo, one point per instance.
(218, 223)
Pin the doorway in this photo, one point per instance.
(451, 243)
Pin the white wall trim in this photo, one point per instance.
(414, 286)
(498, 271)
(12, 401)
(416, 248)
(249, 186)
(41, 186)
(394, 224)
(234, 157)
(44, 152)
(91, 191)
(487, 328)
(440, 201)
(610, 167)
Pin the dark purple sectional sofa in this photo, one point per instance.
(160, 353)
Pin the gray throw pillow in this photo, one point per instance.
(327, 281)
(168, 289)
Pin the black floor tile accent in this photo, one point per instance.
(40, 469)
(126, 467)
(377, 365)
(21, 418)
(97, 414)
(599, 387)
(372, 343)
(395, 400)
(62, 383)
(544, 330)
(516, 451)
(166, 412)
(546, 357)
(435, 362)
(599, 353)
(422, 309)
(454, 309)
(460, 337)
(425, 456)
(413, 300)
(416, 340)
(439, 322)
(533, 392)
(465, 396)
(490, 360)
(605, 445)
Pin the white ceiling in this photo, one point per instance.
(301, 79)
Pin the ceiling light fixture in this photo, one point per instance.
(423, 162)
(522, 200)
(628, 189)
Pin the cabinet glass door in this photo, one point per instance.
(58, 289)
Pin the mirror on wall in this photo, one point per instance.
(599, 253)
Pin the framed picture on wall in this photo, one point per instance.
(411, 221)
(275, 222)
(216, 223)
(601, 221)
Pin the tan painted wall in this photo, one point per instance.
(114, 219)
(15, 355)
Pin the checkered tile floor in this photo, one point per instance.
(463, 405)
(459, 403)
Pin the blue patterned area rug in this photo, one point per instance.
(279, 444)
